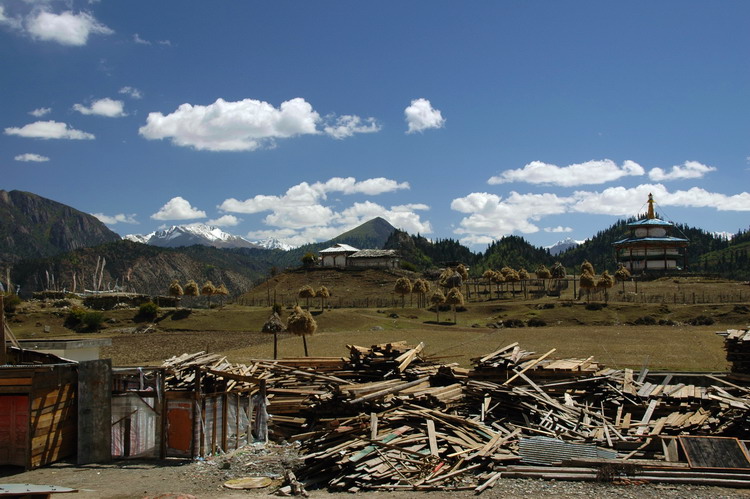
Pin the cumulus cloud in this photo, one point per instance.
(247, 125)
(300, 216)
(178, 208)
(131, 92)
(37, 158)
(115, 219)
(66, 28)
(225, 221)
(49, 130)
(690, 169)
(347, 125)
(490, 216)
(558, 229)
(42, 111)
(107, 107)
(244, 125)
(420, 116)
(590, 172)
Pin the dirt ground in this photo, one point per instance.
(205, 479)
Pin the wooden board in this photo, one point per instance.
(714, 452)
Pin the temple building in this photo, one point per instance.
(650, 245)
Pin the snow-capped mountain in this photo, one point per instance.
(188, 235)
(273, 243)
(563, 245)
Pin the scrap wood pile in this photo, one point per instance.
(387, 418)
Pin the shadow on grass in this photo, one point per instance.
(441, 323)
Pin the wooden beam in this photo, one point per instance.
(537, 361)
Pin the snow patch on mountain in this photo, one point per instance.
(188, 235)
(273, 243)
(564, 245)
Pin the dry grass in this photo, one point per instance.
(573, 328)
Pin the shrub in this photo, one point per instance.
(701, 320)
(595, 306)
(646, 320)
(545, 306)
(667, 322)
(92, 321)
(513, 323)
(536, 322)
(10, 303)
(62, 303)
(147, 311)
(276, 308)
(80, 319)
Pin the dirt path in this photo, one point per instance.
(206, 478)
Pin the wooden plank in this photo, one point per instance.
(714, 452)
(432, 437)
(532, 364)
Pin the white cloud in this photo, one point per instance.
(178, 208)
(38, 158)
(115, 219)
(165, 42)
(420, 116)
(49, 130)
(137, 39)
(558, 229)
(491, 217)
(132, 92)
(304, 194)
(690, 169)
(66, 28)
(590, 172)
(244, 125)
(225, 221)
(40, 111)
(299, 215)
(103, 107)
(347, 125)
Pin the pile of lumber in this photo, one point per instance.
(737, 345)
(389, 418)
(505, 362)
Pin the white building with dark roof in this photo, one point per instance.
(345, 256)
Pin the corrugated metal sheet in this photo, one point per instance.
(549, 451)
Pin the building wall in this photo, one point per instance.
(384, 262)
(334, 260)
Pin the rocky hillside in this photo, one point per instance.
(140, 268)
(35, 227)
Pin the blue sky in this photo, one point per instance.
(299, 120)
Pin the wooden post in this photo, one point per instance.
(3, 351)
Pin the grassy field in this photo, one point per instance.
(576, 330)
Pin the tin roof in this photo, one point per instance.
(340, 248)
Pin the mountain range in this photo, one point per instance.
(48, 244)
(187, 235)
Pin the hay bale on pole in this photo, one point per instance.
(275, 326)
(301, 323)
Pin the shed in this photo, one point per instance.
(388, 259)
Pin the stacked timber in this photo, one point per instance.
(737, 345)
(505, 364)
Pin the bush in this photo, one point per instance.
(646, 320)
(10, 303)
(667, 322)
(92, 321)
(80, 319)
(513, 323)
(536, 322)
(74, 317)
(595, 306)
(701, 320)
(545, 306)
(147, 311)
(62, 303)
(276, 309)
